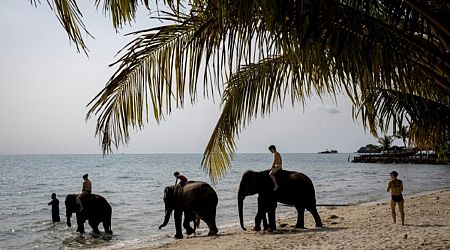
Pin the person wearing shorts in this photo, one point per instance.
(276, 165)
(87, 189)
(395, 186)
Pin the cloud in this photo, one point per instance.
(330, 109)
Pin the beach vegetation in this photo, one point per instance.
(443, 153)
(386, 141)
(403, 134)
(390, 57)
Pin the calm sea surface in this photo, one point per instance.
(134, 185)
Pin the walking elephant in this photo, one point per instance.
(195, 199)
(294, 189)
(96, 210)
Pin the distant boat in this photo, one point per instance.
(329, 152)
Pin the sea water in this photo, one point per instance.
(134, 184)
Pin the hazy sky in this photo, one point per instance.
(45, 86)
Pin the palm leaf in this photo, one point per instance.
(429, 119)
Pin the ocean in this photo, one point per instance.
(134, 184)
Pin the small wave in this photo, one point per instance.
(125, 177)
(153, 240)
(77, 241)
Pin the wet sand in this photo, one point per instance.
(366, 226)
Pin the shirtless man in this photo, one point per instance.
(396, 187)
(277, 162)
(180, 179)
(87, 189)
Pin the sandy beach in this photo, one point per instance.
(366, 226)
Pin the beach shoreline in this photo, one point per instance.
(361, 226)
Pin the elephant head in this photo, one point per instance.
(71, 207)
(250, 185)
(169, 201)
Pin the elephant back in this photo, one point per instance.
(294, 187)
(198, 193)
(97, 206)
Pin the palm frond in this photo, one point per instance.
(162, 65)
(256, 89)
(429, 119)
(121, 11)
(153, 68)
(70, 17)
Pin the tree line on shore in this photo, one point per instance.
(385, 149)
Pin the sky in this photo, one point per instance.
(45, 86)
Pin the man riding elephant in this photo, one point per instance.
(86, 190)
(276, 165)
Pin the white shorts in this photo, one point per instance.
(275, 169)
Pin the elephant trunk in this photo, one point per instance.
(240, 207)
(166, 218)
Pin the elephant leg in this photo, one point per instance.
(80, 223)
(177, 216)
(94, 226)
(260, 216)
(196, 221)
(300, 217)
(264, 220)
(272, 221)
(316, 216)
(257, 222)
(107, 225)
(211, 222)
(188, 217)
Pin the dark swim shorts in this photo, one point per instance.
(397, 198)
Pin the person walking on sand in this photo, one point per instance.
(180, 179)
(276, 165)
(87, 189)
(55, 208)
(396, 187)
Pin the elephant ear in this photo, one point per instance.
(169, 196)
(264, 184)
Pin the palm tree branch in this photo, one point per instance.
(256, 89)
(429, 118)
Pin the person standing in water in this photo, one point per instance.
(395, 186)
(87, 189)
(276, 165)
(55, 208)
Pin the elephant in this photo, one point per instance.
(96, 210)
(294, 189)
(195, 199)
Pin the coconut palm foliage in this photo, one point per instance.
(71, 18)
(386, 141)
(402, 133)
(429, 118)
(256, 54)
